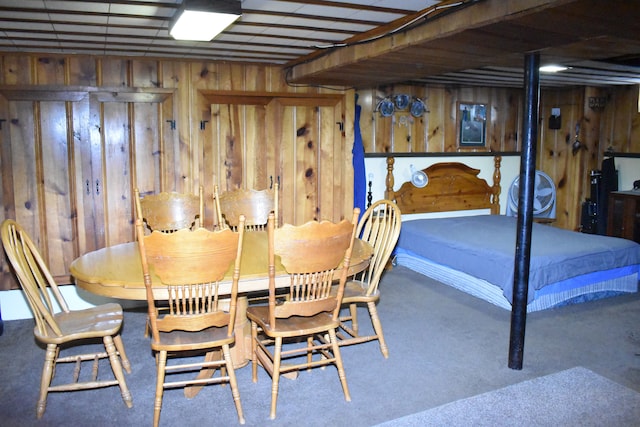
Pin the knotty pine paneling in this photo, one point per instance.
(616, 127)
(620, 128)
(436, 130)
(81, 71)
(184, 140)
(555, 155)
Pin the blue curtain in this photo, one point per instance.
(359, 175)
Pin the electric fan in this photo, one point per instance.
(544, 196)
(418, 178)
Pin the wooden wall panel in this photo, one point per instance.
(148, 150)
(113, 72)
(437, 116)
(199, 113)
(56, 192)
(7, 280)
(620, 129)
(121, 144)
(436, 131)
(259, 174)
(307, 146)
(177, 76)
(50, 71)
(287, 155)
(115, 184)
(17, 70)
(25, 160)
(144, 73)
(568, 167)
(87, 222)
(82, 71)
(94, 174)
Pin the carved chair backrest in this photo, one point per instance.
(193, 266)
(171, 211)
(311, 254)
(255, 205)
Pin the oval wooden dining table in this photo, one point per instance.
(116, 271)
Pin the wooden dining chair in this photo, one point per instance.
(294, 325)
(170, 211)
(255, 205)
(380, 227)
(61, 327)
(201, 313)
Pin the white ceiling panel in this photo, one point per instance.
(285, 32)
(71, 6)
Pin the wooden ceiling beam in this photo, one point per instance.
(495, 31)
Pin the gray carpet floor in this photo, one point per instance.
(444, 346)
(575, 397)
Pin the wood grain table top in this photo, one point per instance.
(116, 271)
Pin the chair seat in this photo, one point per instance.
(356, 291)
(103, 320)
(57, 325)
(293, 326)
(198, 340)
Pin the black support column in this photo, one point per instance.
(525, 210)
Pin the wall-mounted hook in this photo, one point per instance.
(172, 124)
(203, 124)
(340, 126)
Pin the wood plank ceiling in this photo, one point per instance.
(357, 43)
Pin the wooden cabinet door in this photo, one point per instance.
(131, 146)
(69, 169)
(310, 155)
(298, 142)
(39, 153)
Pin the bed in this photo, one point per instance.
(475, 253)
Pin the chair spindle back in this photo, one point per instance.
(255, 205)
(191, 264)
(310, 253)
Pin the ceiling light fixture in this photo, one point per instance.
(552, 68)
(202, 20)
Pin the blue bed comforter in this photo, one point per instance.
(484, 246)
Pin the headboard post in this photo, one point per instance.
(497, 176)
(388, 192)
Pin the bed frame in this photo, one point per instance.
(456, 187)
(452, 187)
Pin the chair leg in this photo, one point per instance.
(146, 328)
(275, 376)
(339, 365)
(117, 340)
(254, 345)
(157, 405)
(117, 370)
(377, 326)
(232, 381)
(309, 352)
(353, 311)
(45, 380)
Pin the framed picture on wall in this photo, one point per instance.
(472, 125)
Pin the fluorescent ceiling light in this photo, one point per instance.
(552, 68)
(202, 20)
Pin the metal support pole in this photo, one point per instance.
(525, 210)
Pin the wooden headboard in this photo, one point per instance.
(452, 187)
